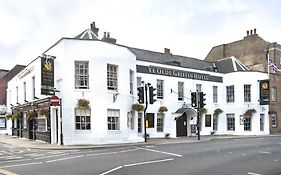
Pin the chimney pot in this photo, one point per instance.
(255, 31)
(104, 34)
(166, 50)
(247, 32)
(94, 29)
(108, 34)
(251, 32)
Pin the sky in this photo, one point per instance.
(187, 27)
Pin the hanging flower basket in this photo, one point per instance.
(162, 109)
(9, 116)
(203, 111)
(250, 112)
(15, 116)
(217, 111)
(83, 103)
(137, 107)
(44, 111)
(31, 115)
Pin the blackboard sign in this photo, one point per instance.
(47, 76)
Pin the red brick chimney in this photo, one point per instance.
(167, 51)
(94, 29)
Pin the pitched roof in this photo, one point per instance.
(170, 59)
(87, 34)
(230, 64)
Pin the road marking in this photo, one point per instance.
(148, 162)
(66, 158)
(250, 173)
(37, 158)
(279, 143)
(264, 152)
(9, 161)
(125, 151)
(110, 171)
(6, 172)
(101, 154)
(163, 152)
(17, 165)
(243, 154)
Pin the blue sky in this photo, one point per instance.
(188, 27)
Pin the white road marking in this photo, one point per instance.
(279, 143)
(125, 151)
(9, 161)
(6, 172)
(243, 154)
(17, 165)
(264, 152)
(66, 158)
(250, 173)
(275, 160)
(110, 171)
(101, 154)
(148, 162)
(229, 152)
(51, 156)
(163, 152)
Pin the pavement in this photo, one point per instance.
(26, 143)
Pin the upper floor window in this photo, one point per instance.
(215, 94)
(33, 88)
(24, 91)
(274, 120)
(139, 81)
(247, 93)
(81, 75)
(160, 90)
(230, 94)
(199, 87)
(131, 82)
(180, 91)
(273, 94)
(112, 80)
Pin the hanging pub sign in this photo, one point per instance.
(47, 75)
(264, 92)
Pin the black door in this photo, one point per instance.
(182, 126)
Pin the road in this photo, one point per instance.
(245, 156)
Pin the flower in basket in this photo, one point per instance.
(249, 112)
(218, 111)
(83, 103)
(9, 116)
(31, 114)
(44, 111)
(15, 116)
(162, 109)
(203, 110)
(137, 107)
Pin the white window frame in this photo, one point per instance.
(247, 123)
(160, 122)
(261, 122)
(273, 94)
(247, 93)
(84, 119)
(230, 94)
(274, 120)
(180, 90)
(113, 120)
(230, 122)
(160, 89)
(215, 94)
(131, 85)
(81, 74)
(112, 77)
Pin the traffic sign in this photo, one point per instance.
(55, 101)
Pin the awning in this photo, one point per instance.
(188, 111)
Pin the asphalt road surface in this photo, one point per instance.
(247, 156)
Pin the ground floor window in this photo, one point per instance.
(139, 122)
(150, 120)
(160, 122)
(215, 123)
(274, 120)
(42, 124)
(230, 122)
(2, 122)
(193, 129)
(82, 119)
(261, 122)
(113, 122)
(207, 120)
(247, 123)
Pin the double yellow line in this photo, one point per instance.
(5, 172)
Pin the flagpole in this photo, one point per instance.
(268, 66)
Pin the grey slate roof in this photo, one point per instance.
(87, 34)
(230, 64)
(170, 59)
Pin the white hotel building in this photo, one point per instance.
(107, 75)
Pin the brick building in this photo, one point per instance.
(252, 51)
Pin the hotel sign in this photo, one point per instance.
(47, 76)
(178, 73)
(264, 92)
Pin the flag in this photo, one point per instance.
(273, 65)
